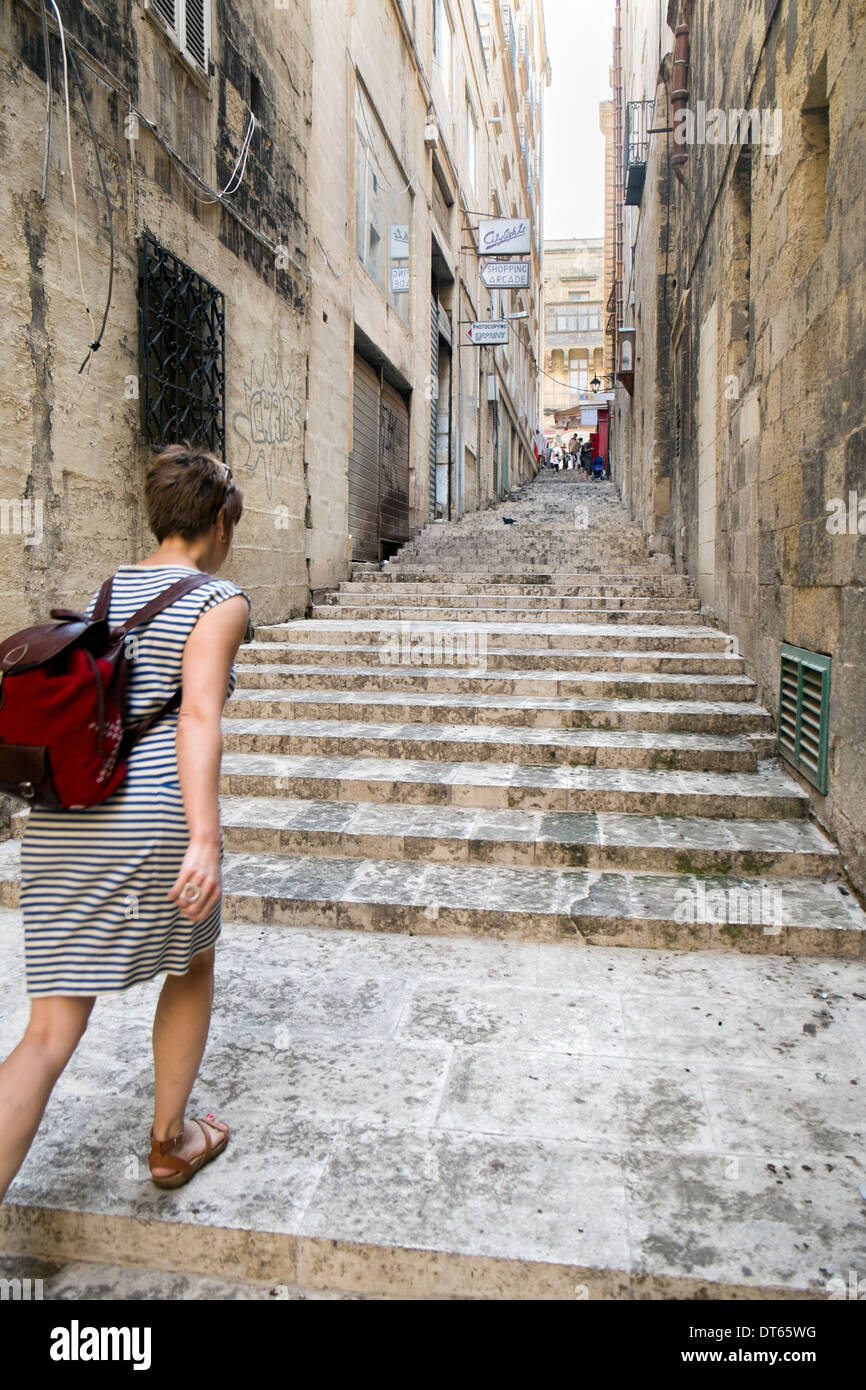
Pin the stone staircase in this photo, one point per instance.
(517, 740)
(528, 730)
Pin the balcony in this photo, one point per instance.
(639, 115)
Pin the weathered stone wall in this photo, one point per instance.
(75, 445)
(769, 235)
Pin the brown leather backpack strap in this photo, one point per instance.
(103, 602)
(164, 600)
(135, 733)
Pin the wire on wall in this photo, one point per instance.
(46, 48)
(121, 90)
(97, 342)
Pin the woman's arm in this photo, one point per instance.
(207, 661)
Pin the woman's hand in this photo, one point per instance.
(198, 886)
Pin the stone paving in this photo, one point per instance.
(536, 978)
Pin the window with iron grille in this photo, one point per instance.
(804, 713)
(188, 25)
(182, 352)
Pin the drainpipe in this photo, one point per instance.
(680, 94)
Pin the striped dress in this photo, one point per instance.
(94, 882)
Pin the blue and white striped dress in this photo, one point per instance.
(94, 882)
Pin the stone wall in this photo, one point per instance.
(73, 443)
(771, 232)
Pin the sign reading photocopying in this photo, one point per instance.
(488, 333)
(506, 275)
(399, 241)
(399, 279)
(504, 236)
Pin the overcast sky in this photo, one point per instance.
(580, 44)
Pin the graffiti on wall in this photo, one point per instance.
(271, 424)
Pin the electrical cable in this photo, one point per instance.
(121, 90)
(240, 164)
(69, 156)
(97, 342)
(46, 47)
(668, 204)
(372, 146)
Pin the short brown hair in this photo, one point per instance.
(185, 490)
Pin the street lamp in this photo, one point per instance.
(595, 386)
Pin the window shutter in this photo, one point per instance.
(166, 9)
(196, 31)
(804, 713)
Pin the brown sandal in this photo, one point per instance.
(161, 1156)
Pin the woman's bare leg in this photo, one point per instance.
(180, 1029)
(29, 1074)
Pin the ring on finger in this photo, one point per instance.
(191, 893)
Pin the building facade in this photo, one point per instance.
(431, 120)
(289, 196)
(574, 326)
(739, 437)
(193, 188)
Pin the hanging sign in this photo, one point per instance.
(506, 275)
(488, 333)
(399, 279)
(504, 236)
(399, 241)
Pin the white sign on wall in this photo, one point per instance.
(399, 279)
(506, 275)
(589, 418)
(504, 236)
(488, 333)
(399, 241)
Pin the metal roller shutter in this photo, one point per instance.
(364, 464)
(434, 403)
(394, 473)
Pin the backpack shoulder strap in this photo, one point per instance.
(103, 600)
(164, 600)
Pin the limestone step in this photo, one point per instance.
(768, 914)
(764, 915)
(530, 636)
(434, 1118)
(274, 825)
(768, 794)
(564, 603)
(600, 748)
(407, 613)
(76, 1280)
(507, 661)
(525, 711)
(472, 576)
(391, 585)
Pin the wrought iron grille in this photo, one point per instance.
(639, 119)
(182, 352)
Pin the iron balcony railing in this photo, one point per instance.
(639, 116)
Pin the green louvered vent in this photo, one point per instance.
(804, 713)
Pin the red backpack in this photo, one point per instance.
(64, 739)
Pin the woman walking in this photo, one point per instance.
(116, 894)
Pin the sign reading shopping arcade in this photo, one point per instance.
(506, 275)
